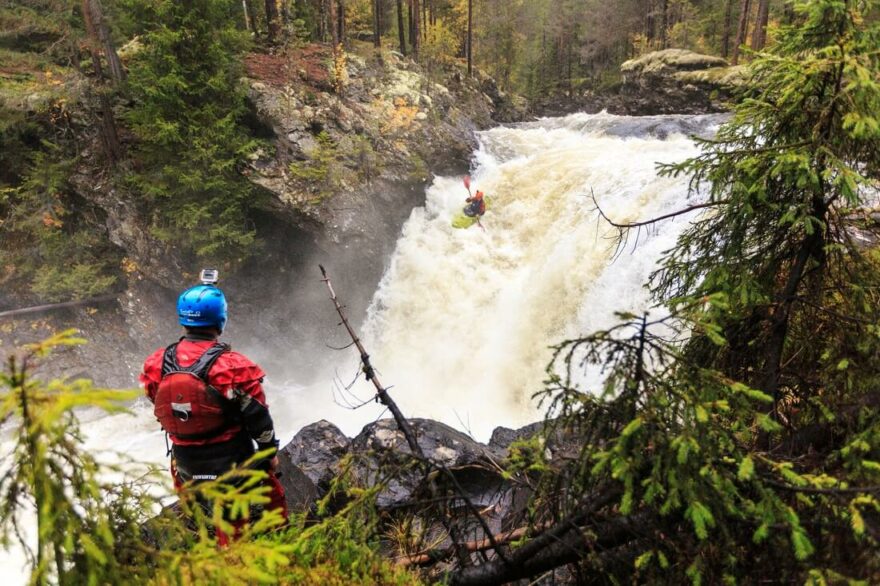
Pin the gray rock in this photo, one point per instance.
(668, 62)
(439, 442)
(381, 445)
(677, 81)
(502, 437)
(304, 141)
(300, 491)
(315, 450)
(351, 219)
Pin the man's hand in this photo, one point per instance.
(273, 464)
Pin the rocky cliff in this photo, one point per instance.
(349, 145)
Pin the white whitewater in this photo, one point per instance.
(463, 319)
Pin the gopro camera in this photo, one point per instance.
(209, 276)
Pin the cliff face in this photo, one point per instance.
(677, 81)
(343, 163)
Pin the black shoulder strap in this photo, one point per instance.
(169, 360)
(202, 366)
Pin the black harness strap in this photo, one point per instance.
(169, 360)
(199, 368)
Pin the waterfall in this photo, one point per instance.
(463, 320)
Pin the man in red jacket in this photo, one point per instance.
(209, 399)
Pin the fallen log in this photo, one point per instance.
(571, 545)
(54, 306)
(435, 555)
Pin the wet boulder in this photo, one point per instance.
(315, 451)
(502, 437)
(382, 445)
(300, 491)
(439, 442)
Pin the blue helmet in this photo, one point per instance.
(202, 306)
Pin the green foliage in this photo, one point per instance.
(53, 242)
(51, 482)
(439, 47)
(297, 32)
(188, 115)
(38, 26)
(740, 430)
(19, 134)
(324, 169)
(366, 160)
(342, 548)
(317, 168)
(526, 456)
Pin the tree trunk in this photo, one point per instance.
(788, 13)
(743, 27)
(377, 39)
(425, 19)
(109, 133)
(664, 16)
(285, 12)
(252, 14)
(568, 70)
(759, 38)
(273, 21)
(99, 33)
(470, 38)
(340, 21)
(728, 19)
(334, 28)
(400, 30)
(811, 249)
(322, 20)
(409, 20)
(247, 16)
(381, 10)
(416, 33)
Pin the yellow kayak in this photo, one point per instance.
(463, 221)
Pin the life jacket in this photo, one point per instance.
(477, 206)
(187, 407)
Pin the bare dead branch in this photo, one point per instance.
(652, 221)
(403, 424)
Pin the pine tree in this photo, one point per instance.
(188, 116)
(82, 520)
